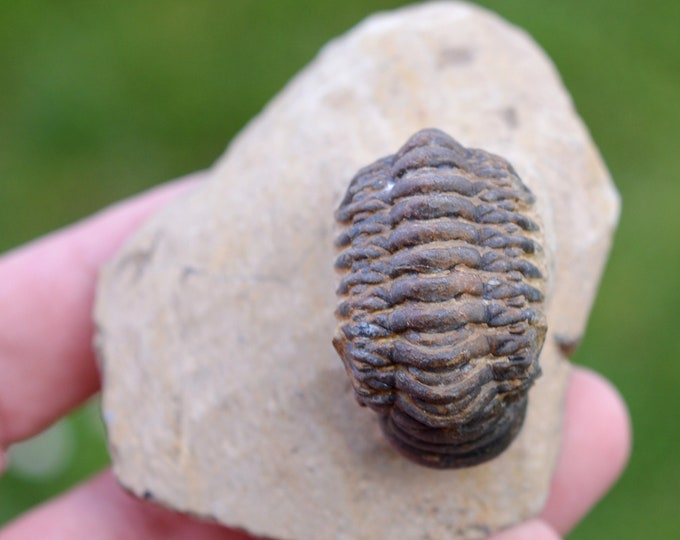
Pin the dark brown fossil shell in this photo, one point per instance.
(440, 320)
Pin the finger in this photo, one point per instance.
(46, 296)
(593, 407)
(101, 509)
(534, 529)
(595, 449)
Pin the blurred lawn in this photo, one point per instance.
(100, 100)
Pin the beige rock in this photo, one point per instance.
(223, 395)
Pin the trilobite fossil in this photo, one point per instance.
(440, 320)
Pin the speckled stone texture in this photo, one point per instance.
(223, 396)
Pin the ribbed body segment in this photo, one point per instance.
(440, 298)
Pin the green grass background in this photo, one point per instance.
(100, 100)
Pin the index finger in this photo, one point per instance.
(47, 289)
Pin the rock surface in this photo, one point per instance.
(223, 396)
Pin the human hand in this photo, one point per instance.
(47, 368)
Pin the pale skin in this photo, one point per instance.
(47, 368)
